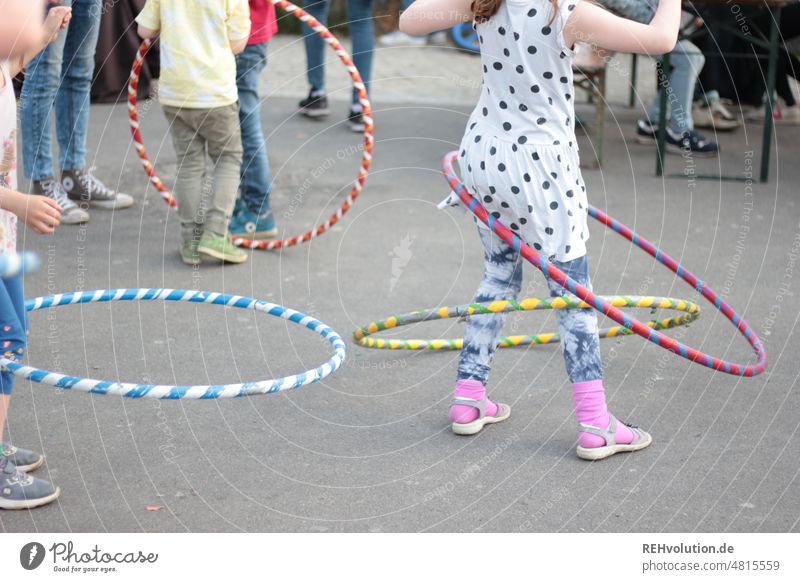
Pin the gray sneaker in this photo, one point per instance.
(81, 185)
(23, 459)
(21, 491)
(71, 213)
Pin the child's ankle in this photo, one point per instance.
(475, 390)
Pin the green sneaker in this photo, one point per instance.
(220, 247)
(189, 253)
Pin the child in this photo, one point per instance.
(519, 157)
(252, 215)
(198, 94)
(42, 215)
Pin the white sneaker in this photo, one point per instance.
(714, 116)
(71, 213)
(398, 38)
(781, 114)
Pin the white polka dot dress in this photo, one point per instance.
(519, 155)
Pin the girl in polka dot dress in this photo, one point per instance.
(519, 157)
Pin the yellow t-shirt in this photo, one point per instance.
(198, 69)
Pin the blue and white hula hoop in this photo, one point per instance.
(176, 392)
(12, 264)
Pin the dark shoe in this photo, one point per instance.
(71, 213)
(23, 459)
(84, 186)
(356, 121)
(690, 142)
(314, 105)
(21, 491)
(646, 131)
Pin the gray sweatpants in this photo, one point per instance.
(195, 132)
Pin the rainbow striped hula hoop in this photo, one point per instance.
(366, 156)
(361, 336)
(636, 326)
(172, 392)
(13, 263)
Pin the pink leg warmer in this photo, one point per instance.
(463, 414)
(590, 408)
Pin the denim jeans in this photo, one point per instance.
(14, 324)
(502, 280)
(62, 75)
(360, 23)
(256, 180)
(686, 61)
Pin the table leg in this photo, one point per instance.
(661, 134)
(766, 140)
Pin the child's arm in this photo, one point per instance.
(238, 12)
(591, 24)
(57, 18)
(20, 27)
(149, 19)
(427, 16)
(40, 213)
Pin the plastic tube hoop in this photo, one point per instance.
(361, 336)
(12, 264)
(552, 272)
(366, 156)
(171, 391)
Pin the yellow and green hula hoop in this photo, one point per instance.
(688, 312)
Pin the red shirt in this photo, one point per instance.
(263, 23)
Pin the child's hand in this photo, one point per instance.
(57, 19)
(40, 213)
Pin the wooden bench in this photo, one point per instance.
(589, 71)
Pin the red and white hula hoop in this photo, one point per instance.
(366, 157)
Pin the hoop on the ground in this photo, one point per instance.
(690, 312)
(181, 391)
(12, 263)
(552, 272)
(366, 156)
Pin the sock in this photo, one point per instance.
(591, 409)
(356, 108)
(317, 92)
(474, 389)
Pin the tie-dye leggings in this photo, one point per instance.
(502, 279)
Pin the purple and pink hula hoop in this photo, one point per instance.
(636, 326)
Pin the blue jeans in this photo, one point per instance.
(13, 325)
(359, 15)
(256, 180)
(62, 75)
(502, 280)
(686, 61)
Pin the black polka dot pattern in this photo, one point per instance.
(516, 132)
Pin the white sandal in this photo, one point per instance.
(641, 439)
(476, 426)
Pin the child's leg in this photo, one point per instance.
(315, 46)
(223, 135)
(581, 348)
(502, 279)
(255, 175)
(359, 15)
(190, 149)
(12, 337)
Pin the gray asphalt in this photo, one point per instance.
(369, 448)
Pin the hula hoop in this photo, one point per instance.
(13, 263)
(171, 392)
(366, 157)
(552, 272)
(690, 312)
